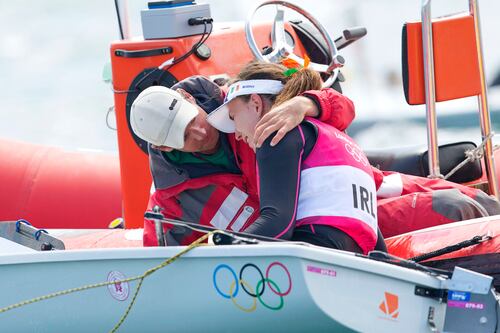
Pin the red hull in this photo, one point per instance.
(483, 258)
(431, 239)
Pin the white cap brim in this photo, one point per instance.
(175, 136)
(219, 118)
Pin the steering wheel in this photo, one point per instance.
(281, 49)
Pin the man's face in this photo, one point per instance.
(200, 136)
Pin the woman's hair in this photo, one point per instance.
(302, 80)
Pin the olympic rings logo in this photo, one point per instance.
(239, 285)
(356, 154)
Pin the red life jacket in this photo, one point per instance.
(407, 203)
(221, 200)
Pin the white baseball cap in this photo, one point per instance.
(160, 115)
(219, 118)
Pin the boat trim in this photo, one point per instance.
(285, 249)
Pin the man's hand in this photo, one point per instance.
(283, 118)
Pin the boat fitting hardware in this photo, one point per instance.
(160, 235)
(430, 319)
(144, 53)
(437, 294)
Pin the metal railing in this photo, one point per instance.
(430, 97)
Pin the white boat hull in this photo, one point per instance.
(323, 291)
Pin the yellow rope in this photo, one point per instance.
(141, 278)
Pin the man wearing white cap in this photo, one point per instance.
(204, 176)
(168, 121)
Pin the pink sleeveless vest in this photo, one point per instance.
(337, 187)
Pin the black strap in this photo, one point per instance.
(237, 236)
(143, 53)
(389, 258)
(452, 248)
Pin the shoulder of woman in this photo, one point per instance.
(292, 142)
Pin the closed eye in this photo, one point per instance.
(188, 127)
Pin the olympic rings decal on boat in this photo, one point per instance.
(269, 281)
(256, 294)
(235, 278)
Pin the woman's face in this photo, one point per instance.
(246, 114)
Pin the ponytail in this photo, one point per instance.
(300, 81)
(303, 80)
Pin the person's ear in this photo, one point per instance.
(257, 103)
(187, 96)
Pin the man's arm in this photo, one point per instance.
(328, 105)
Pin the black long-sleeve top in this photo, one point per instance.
(279, 181)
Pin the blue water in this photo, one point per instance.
(52, 54)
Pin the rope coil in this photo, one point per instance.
(471, 155)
